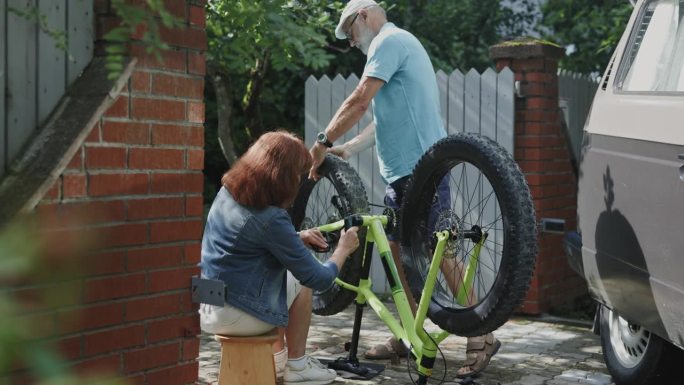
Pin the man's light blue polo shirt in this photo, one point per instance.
(406, 108)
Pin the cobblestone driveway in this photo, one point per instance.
(533, 352)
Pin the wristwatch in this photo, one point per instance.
(322, 138)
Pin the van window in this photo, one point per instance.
(655, 55)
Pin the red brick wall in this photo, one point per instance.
(136, 185)
(541, 150)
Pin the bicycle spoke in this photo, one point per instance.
(470, 206)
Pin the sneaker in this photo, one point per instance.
(313, 372)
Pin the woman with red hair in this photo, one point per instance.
(251, 245)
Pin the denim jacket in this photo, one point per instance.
(250, 250)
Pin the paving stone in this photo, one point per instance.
(561, 382)
(532, 352)
(600, 378)
(531, 379)
(576, 373)
(593, 365)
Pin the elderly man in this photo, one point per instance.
(400, 82)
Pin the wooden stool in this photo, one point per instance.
(247, 360)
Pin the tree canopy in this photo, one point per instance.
(458, 34)
(591, 28)
(261, 52)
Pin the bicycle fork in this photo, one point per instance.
(425, 347)
(407, 328)
(431, 341)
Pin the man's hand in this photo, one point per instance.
(313, 239)
(318, 152)
(340, 151)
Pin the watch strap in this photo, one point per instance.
(322, 138)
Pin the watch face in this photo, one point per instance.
(322, 137)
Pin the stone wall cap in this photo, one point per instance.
(525, 48)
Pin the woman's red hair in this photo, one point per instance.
(268, 173)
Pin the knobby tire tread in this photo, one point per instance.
(520, 235)
(349, 186)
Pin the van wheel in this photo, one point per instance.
(633, 355)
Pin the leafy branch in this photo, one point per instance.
(33, 15)
(133, 20)
(31, 256)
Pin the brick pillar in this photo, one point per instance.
(138, 180)
(541, 149)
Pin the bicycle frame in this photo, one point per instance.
(408, 329)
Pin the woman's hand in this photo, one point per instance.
(349, 241)
(313, 239)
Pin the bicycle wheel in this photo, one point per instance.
(338, 194)
(486, 194)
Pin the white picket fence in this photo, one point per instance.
(34, 72)
(575, 95)
(471, 102)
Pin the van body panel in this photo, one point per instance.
(652, 117)
(631, 211)
(630, 200)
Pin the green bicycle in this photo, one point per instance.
(468, 254)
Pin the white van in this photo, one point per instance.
(630, 246)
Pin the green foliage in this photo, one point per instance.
(33, 15)
(239, 33)
(458, 34)
(266, 50)
(133, 19)
(296, 38)
(28, 256)
(215, 163)
(592, 27)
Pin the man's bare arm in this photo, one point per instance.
(346, 116)
(362, 141)
(353, 108)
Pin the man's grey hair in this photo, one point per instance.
(378, 6)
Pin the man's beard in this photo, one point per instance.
(365, 39)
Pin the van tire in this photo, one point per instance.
(652, 365)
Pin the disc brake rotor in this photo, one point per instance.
(448, 220)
